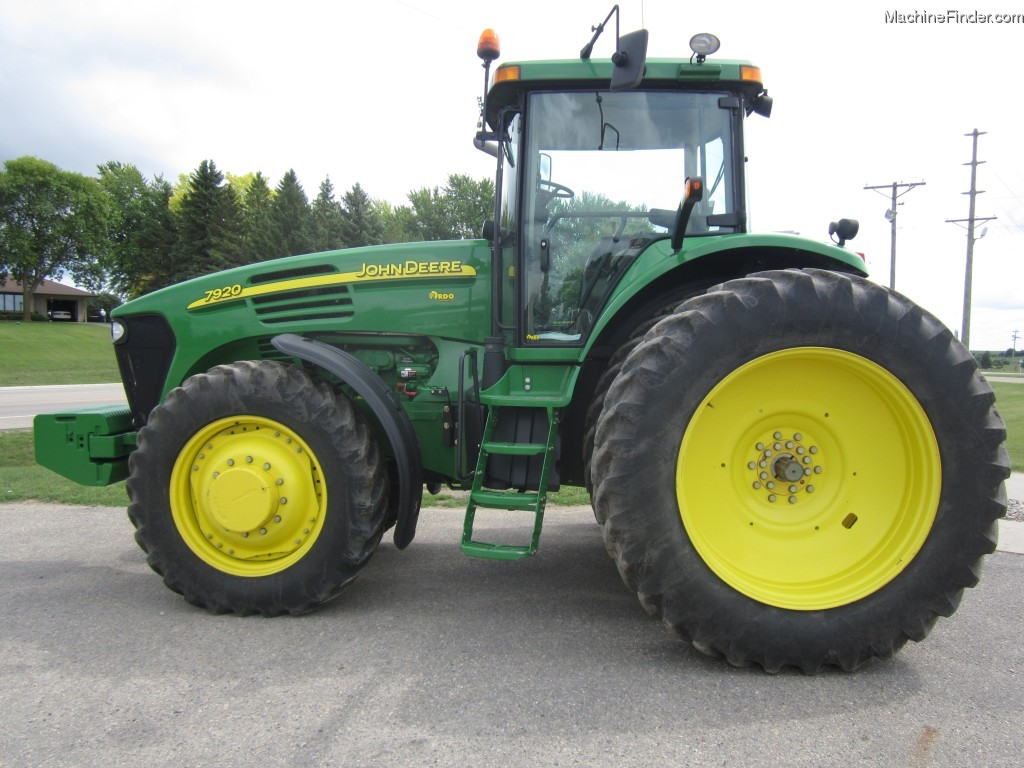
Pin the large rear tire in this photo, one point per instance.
(255, 489)
(800, 469)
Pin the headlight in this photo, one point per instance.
(117, 331)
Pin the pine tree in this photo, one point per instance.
(328, 219)
(292, 216)
(363, 225)
(210, 225)
(261, 240)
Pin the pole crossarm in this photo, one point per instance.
(894, 188)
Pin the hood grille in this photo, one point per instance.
(331, 302)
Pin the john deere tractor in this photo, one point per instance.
(791, 465)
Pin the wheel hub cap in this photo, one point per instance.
(240, 500)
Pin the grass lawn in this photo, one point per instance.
(56, 353)
(21, 478)
(1010, 404)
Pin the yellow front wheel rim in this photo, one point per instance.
(808, 478)
(247, 496)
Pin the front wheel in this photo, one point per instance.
(255, 489)
(800, 469)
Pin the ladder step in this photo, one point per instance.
(505, 500)
(514, 449)
(496, 551)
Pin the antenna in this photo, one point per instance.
(589, 47)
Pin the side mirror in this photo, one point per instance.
(630, 60)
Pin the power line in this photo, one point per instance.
(965, 333)
(891, 216)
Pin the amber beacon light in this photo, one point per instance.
(488, 48)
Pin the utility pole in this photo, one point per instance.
(965, 333)
(891, 216)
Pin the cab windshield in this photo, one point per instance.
(602, 174)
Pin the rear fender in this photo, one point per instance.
(707, 260)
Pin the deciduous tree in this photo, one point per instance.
(456, 211)
(52, 222)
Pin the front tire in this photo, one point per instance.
(800, 469)
(255, 489)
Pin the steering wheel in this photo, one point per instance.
(556, 190)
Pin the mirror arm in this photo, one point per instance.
(694, 194)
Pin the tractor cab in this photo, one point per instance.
(593, 169)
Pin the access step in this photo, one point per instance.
(514, 449)
(505, 500)
(527, 501)
(496, 551)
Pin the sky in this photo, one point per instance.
(385, 94)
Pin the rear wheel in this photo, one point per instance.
(800, 469)
(254, 489)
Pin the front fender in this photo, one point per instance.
(386, 409)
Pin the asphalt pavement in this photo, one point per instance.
(432, 658)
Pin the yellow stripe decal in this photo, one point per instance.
(408, 270)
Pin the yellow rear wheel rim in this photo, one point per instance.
(808, 478)
(247, 496)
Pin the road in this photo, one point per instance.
(18, 405)
(432, 658)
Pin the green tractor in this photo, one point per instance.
(791, 465)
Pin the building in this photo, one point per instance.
(50, 297)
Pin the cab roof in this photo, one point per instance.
(516, 77)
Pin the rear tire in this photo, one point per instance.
(878, 436)
(255, 489)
